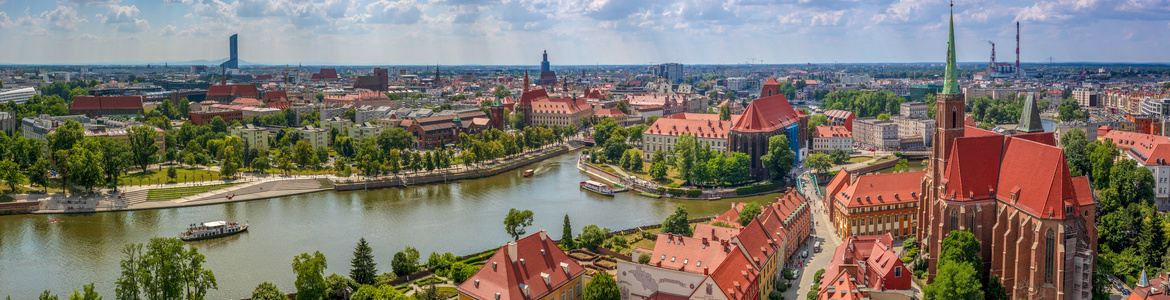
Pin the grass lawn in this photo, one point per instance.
(447, 292)
(296, 171)
(160, 176)
(885, 159)
(180, 192)
(671, 175)
(857, 159)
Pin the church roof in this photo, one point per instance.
(1030, 118)
(766, 115)
(951, 85)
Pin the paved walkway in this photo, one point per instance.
(822, 232)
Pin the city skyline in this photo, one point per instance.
(485, 32)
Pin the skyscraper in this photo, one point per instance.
(670, 71)
(233, 61)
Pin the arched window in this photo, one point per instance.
(954, 219)
(1049, 255)
(954, 117)
(971, 222)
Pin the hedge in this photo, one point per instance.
(759, 188)
(694, 193)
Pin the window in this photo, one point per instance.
(1049, 241)
(954, 219)
(971, 222)
(897, 271)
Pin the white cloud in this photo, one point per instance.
(5, 22)
(187, 2)
(139, 25)
(119, 14)
(168, 30)
(394, 12)
(64, 18)
(91, 2)
(831, 18)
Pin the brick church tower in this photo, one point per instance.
(950, 120)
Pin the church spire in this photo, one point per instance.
(1030, 118)
(951, 86)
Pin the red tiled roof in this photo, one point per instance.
(275, 95)
(844, 287)
(735, 276)
(688, 254)
(716, 233)
(880, 189)
(1047, 138)
(235, 90)
(767, 114)
(838, 114)
(757, 241)
(106, 102)
(1038, 174)
(536, 257)
(825, 131)
(244, 101)
(698, 128)
(974, 167)
(528, 97)
(609, 112)
(704, 117)
(559, 105)
(731, 216)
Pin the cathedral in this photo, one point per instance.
(1014, 193)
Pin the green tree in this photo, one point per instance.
(725, 112)
(1076, 151)
(87, 293)
(303, 153)
(902, 166)
(10, 173)
(364, 269)
(1069, 110)
(260, 164)
(592, 237)
(820, 162)
(405, 262)
(337, 286)
(218, 125)
(567, 234)
(644, 258)
(962, 247)
(38, 173)
(85, 164)
(172, 173)
(602, 287)
(396, 138)
(749, 212)
(676, 223)
(231, 162)
(67, 134)
(779, 159)
(268, 291)
(516, 221)
(310, 270)
(115, 160)
(658, 170)
(142, 145)
(184, 108)
(1101, 163)
(685, 156)
(884, 117)
(166, 270)
(955, 280)
(47, 296)
(384, 292)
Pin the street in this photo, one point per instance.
(822, 232)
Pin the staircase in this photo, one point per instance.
(135, 197)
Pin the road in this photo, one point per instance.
(822, 232)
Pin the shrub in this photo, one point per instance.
(661, 190)
(774, 295)
(644, 258)
(788, 274)
(759, 188)
(820, 274)
(694, 193)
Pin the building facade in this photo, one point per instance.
(1015, 194)
(319, 137)
(913, 110)
(880, 134)
(255, 137)
(874, 204)
(707, 129)
(829, 138)
(764, 118)
(97, 106)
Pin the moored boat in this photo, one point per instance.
(597, 187)
(529, 172)
(210, 230)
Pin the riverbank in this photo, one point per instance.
(270, 186)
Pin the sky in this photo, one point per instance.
(578, 32)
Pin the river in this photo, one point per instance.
(461, 218)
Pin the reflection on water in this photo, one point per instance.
(460, 218)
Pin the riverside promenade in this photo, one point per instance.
(260, 186)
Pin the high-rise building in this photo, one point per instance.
(670, 71)
(233, 61)
(1035, 222)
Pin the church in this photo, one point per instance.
(1014, 193)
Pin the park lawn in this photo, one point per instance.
(180, 192)
(671, 175)
(857, 159)
(160, 176)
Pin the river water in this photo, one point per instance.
(460, 218)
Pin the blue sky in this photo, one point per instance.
(578, 31)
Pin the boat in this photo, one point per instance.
(529, 172)
(211, 230)
(597, 187)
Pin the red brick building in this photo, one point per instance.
(201, 117)
(434, 132)
(1015, 194)
(226, 93)
(764, 118)
(97, 106)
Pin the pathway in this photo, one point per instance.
(822, 232)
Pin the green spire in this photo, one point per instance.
(951, 86)
(1030, 118)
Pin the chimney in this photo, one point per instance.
(705, 271)
(512, 251)
(1017, 47)
(543, 235)
(223, 81)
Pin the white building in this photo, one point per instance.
(876, 133)
(829, 138)
(18, 95)
(707, 129)
(255, 137)
(1149, 151)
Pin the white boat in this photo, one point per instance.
(210, 230)
(597, 187)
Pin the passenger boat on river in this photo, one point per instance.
(597, 187)
(211, 230)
